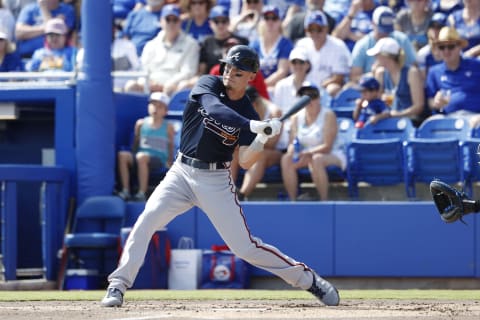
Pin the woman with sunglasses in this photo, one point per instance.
(452, 86)
(402, 85)
(272, 48)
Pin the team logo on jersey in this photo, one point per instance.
(229, 134)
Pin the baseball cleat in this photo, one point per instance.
(113, 298)
(324, 291)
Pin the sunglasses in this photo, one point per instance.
(314, 94)
(220, 21)
(253, 1)
(172, 20)
(313, 29)
(297, 61)
(446, 46)
(271, 18)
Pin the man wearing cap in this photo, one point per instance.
(383, 22)
(452, 86)
(56, 55)
(170, 57)
(369, 108)
(152, 147)
(329, 57)
(30, 27)
(429, 55)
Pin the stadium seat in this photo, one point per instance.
(376, 155)
(344, 103)
(94, 240)
(177, 104)
(438, 151)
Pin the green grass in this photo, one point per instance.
(239, 295)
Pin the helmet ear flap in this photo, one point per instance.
(222, 67)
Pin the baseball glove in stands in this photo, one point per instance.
(451, 203)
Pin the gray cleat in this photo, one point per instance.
(324, 291)
(113, 298)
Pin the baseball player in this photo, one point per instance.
(217, 117)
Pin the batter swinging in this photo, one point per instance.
(217, 118)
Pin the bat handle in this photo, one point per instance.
(267, 130)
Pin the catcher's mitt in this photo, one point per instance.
(451, 203)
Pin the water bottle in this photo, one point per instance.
(296, 149)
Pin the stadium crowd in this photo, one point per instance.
(422, 56)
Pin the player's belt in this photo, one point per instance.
(199, 164)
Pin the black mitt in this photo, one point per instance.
(451, 203)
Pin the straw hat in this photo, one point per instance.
(449, 35)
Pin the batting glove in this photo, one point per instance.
(262, 138)
(258, 126)
(276, 126)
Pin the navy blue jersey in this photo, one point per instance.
(212, 136)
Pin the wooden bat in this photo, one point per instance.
(299, 105)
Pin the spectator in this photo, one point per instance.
(270, 156)
(452, 86)
(329, 57)
(15, 6)
(258, 82)
(9, 58)
(295, 29)
(356, 23)
(56, 55)
(196, 24)
(124, 57)
(31, 23)
(383, 21)
(467, 23)
(288, 8)
(121, 8)
(152, 146)
(7, 21)
(272, 48)
(429, 55)
(337, 8)
(402, 85)
(246, 23)
(214, 46)
(315, 127)
(369, 108)
(286, 89)
(143, 25)
(413, 20)
(172, 56)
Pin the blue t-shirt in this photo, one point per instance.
(205, 138)
(269, 61)
(142, 26)
(199, 32)
(46, 59)
(121, 8)
(361, 22)
(375, 106)
(11, 62)
(462, 83)
(31, 15)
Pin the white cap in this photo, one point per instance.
(385, 45)
(160, 96)
(298, 54)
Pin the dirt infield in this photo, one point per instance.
(245, 310)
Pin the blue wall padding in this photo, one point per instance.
(351, 239)
(129, 108)
(95, 131)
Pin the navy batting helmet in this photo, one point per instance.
(243, 57)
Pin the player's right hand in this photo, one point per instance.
(276, 126)
(258, 126)
(262, 138)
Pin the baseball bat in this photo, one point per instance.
(299, 105)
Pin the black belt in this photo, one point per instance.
(199, 164)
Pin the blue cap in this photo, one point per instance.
(384, 18)
(170, 10)
(369, 82)
(218, 11)
(269, 9)
(316, 17)
(438, 20)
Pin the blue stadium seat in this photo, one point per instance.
(344, 103)
(376, 156)
(438, 151)
(177, 104)
(94, 240)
